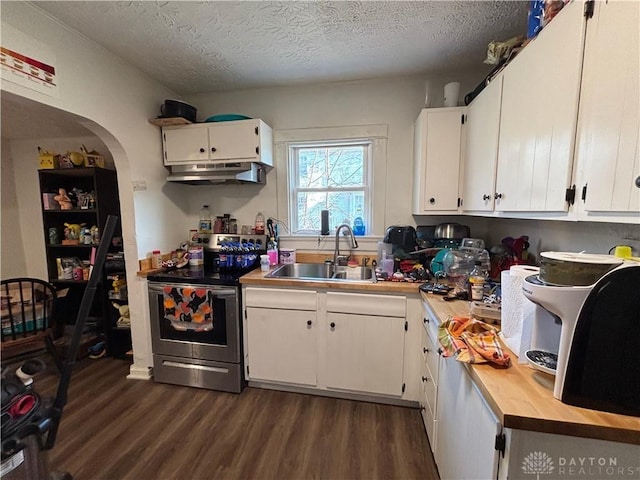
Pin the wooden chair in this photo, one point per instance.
(27, 316)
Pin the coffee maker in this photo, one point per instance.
(401, 238)
(598, 331)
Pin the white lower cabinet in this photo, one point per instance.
(467, 428)
(345, 342)
(365, 353)
(282, 345)
(461, 427)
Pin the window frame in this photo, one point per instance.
(377, 133)
(293, 164)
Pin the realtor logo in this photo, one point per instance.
(538, 463)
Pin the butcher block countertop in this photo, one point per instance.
(522, 397)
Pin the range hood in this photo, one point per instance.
(217, 173)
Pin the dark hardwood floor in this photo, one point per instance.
(114, 428)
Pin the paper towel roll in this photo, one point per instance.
(451, 94)
(517, 310)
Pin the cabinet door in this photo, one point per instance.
(233, 140)
(466, 426)
(282, 345)
(609, 113)
(481, 152)
(365, 353)
(539, 115)
(437, 149)
(185, 144)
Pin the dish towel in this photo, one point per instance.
(472, 340)
(188, 308)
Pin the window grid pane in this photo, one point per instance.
(328, 176)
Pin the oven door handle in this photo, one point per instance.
(218, 290)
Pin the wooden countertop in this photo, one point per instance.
(257, 277)
(522, 397)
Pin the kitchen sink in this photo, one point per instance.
(323, 272)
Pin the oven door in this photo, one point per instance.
(221, 343)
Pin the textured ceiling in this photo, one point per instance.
(195, 47)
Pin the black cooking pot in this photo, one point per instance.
(176, 108)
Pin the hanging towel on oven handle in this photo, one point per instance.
(188, 308)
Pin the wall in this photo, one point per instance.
(25, 181)
(395, 102)
(114, 100)
(12, 260)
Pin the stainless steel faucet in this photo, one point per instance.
(336, 252)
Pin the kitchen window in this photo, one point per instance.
(333, 176)
(340, 169)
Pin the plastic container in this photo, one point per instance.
(156, 259)
(358, 226)
(384, 251)
(287, 256)
(196, 256)
(204, 225)
(387, 264)
(264, 263)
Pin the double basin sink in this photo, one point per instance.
(324, 272)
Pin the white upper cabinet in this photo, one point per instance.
(540, 94)
(481, 152)
(437, 156)
(239, 141)
(609, 125)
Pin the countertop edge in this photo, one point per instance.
(527, 413)
(513, 420)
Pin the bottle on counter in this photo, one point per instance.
(272, 251)
(477, 278)
(204, 226)
(259, 225)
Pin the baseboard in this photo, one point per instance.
(336, 394)
(137, 372)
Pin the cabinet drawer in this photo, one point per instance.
(430, 356)
(359, 304)
(287, 299)
(429, 421)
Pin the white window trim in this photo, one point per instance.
(377, 134)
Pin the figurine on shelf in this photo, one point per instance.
(63, 199)
(123, 310)
(72, 231)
